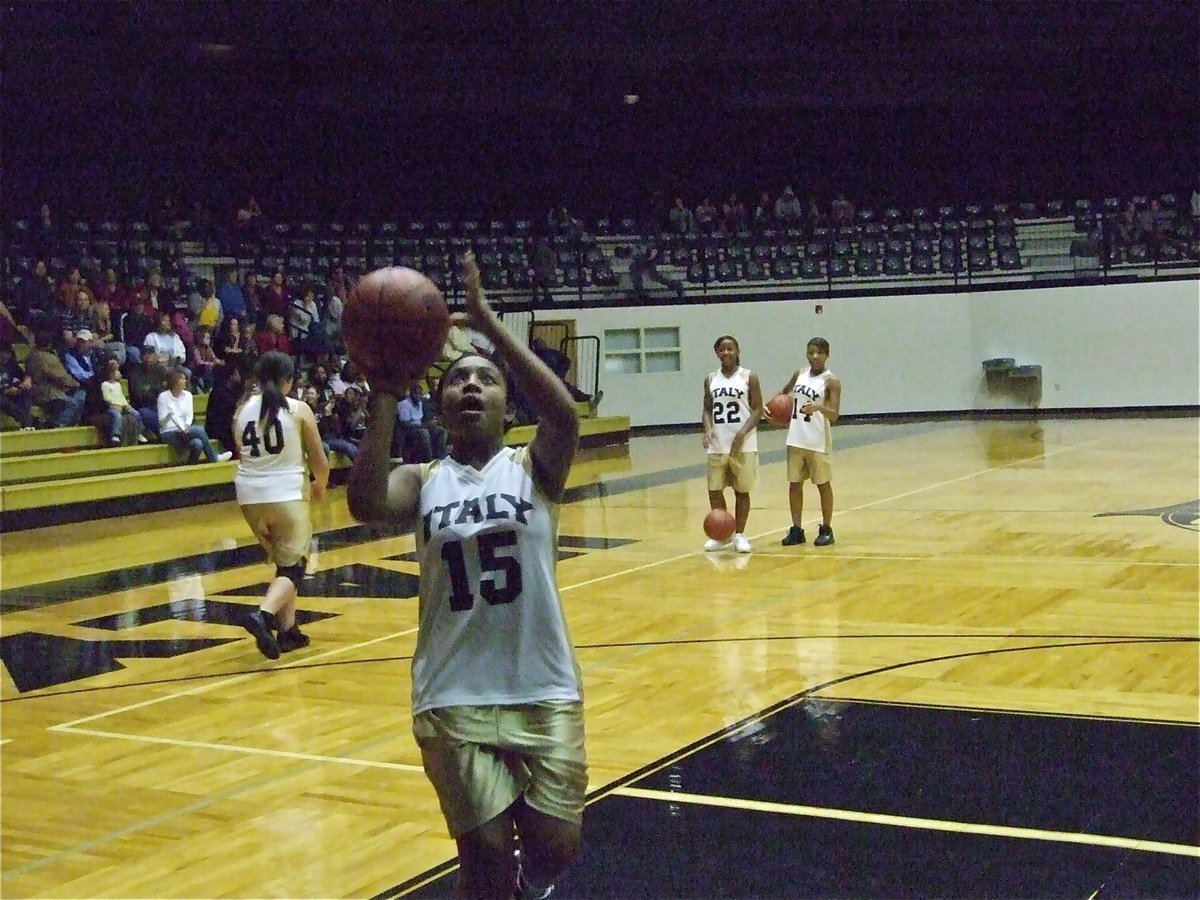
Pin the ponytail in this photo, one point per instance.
(272, 370)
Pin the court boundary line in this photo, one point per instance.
(897, 821)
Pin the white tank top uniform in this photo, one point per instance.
(815, 434)
(492, 630)
(273, 468)
(730, 410)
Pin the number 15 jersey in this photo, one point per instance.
(492, 629)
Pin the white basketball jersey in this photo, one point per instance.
(273, 467)
(816, 433)
(492, 630)
(730, 410)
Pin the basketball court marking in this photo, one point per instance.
(72, 726)
(204, 688)
(850, 815)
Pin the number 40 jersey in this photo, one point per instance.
(492, 630)
(272, 468)
(730, 410)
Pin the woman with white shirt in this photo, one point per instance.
(176, 425)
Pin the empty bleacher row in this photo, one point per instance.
(1004, 240)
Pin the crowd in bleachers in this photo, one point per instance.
(81, 297)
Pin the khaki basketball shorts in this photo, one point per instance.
(739, 472)
(284, 529)
(808, 464)
(480, 759)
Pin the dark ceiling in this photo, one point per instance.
(531, 94)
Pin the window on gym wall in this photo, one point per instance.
(633, 351)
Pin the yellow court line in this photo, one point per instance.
(951, 559)
(850, 815)
(252, 751)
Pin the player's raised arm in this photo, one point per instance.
(553, 447)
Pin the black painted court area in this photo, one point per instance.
(1056, 776)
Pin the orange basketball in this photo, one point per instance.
(395, 323)
(779, 409)
(719, 524)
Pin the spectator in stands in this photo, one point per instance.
(560, 364)
(273, 337)
(763, 216)
(351, 410)
(329, 425)
(643, 265)
(106, 339)
(66, 316)
(204, 361)
(229, 343)
(71, 285)
(233, 301)
(418, 437)
(45, 234)
(112, 292)
(251, 294)
(816, 218)
(275, 301)
(10, 331)
(229, 383)
(841, 211)
(166, 343)
(681, 218)
(318, 379)
(734, 214)
(154, 295)
(147, 379)
(176, 422)
(1127, 224)
(35, 298)
(208, 311)
(789, 211)
(306, 328)
(560, 221)
(80, 360)
(705, 216)
(182, 326)
(59, 396)
(335, 305)
(133, 329)
(16, 389)
(247, 225)
(124, 423)
(1195, 206)
(543, 265)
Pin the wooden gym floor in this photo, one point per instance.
(986, 687)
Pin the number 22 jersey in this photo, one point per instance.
(730, 410)
(492, 629)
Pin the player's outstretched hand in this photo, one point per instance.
(479, 312)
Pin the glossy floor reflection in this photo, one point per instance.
(834, 798)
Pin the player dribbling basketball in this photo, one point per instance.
(733, 407)
(497, 693)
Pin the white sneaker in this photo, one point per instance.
(142, 439)
(227, 456)
(712, 544)
(741, 543)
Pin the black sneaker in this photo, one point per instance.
(824, 536)
(794, 536)
(292, 639)
(262, 625)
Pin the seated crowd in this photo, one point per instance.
(129, 359)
